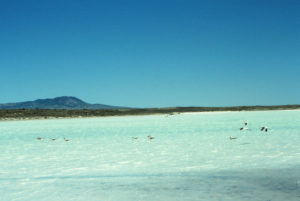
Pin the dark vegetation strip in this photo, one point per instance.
(53, 113)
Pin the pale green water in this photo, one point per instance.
(191, 158)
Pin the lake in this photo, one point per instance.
(191, 157)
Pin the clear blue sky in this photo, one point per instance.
(151, 53)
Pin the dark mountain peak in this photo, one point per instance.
(60, 98)
(68, 98)
(63, 102)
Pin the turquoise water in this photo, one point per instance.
(190, 158)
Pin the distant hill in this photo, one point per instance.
(64, 102)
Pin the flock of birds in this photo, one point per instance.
(65, 139)
(264, 128)
(52, 139)
(149, 137)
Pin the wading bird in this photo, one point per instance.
(264, 128)
(150, 137)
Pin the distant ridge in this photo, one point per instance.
(63, 102)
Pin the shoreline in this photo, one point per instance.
(6, 119)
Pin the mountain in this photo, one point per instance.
(64, 102)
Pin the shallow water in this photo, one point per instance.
(190, 158)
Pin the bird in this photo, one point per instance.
(264, 128)
(52, 139)
(134, 138)
(65, 139)
(244, 128)
(150, 137)
(38, 138)
(232, 138)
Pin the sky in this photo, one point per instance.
(151, 53)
